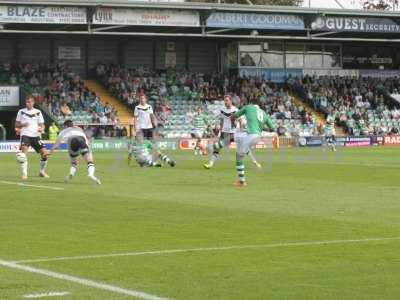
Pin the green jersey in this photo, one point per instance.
(257, 119)
(144, 149)
(200, 122)
(330, 122)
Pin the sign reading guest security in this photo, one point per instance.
(381, 25)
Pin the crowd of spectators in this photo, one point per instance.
(62, 93)
(360, 105)
(203, 89)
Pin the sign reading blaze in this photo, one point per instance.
(42, 14)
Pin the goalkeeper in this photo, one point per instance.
(146, 154)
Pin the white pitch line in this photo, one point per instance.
(46, 295)
(33, 186)
(210, 249)
(81, 281)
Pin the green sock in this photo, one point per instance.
(218, 146)
(164, 158)
(240, 170)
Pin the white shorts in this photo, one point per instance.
(330, 132)
(245, 142)
(197, 134)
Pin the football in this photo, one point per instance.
(21, 157)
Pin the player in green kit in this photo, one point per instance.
(200, 122)
(330, 132)
(146, 154)
(257, 121)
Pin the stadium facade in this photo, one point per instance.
(272, 42)
(198, 37)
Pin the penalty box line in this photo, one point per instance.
(210, 249)
(81, 281)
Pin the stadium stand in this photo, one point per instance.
(176, 96)
(361, 106)
(62, 94)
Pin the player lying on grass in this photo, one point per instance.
(30, 123)
(229, 132)
(146, 154)
(78, 144)
(257, 121)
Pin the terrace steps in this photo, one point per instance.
(320, 116)
(124, 114)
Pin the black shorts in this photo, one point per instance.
(227, 138)
(78, 146)
(147, 133)
(35, 142)
(330, 139)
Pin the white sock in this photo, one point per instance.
(252, 157)
(91, 169)
(24, 168)
(214, 157)
(72, 171)
(43, 165)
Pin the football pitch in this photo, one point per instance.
(310, 225)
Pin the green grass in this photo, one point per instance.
(303, 195)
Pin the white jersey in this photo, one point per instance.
(142, 115)
(226, 114)
(68, 134)
(33, 118)
(240, 132)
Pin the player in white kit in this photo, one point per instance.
(30, 122)
(144, 119)
(78, 144)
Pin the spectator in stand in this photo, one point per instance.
(358, 104)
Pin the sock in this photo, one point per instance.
(91, 168)
(72, 170)
(164, 158)
(240, 170)
(24, 168)
(213, 159)
(43, 164)
(252, 157)
(218, 146)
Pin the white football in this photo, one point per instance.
(21, 157)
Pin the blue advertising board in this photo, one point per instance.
(255, 21)
(274, 75)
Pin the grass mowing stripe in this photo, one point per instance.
(33, 186)
(81, 281)
(173, 251)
